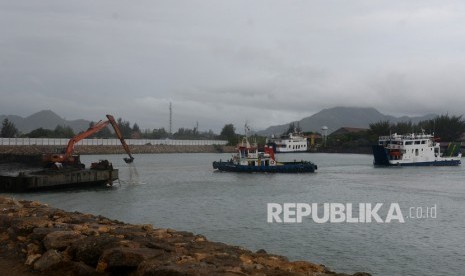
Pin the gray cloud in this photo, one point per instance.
(265, 62)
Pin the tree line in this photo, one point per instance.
(447, 128)
(127, 129)
(444, 127)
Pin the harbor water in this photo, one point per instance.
(182, 191)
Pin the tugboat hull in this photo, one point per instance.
(287, 167)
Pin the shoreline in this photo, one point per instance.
(135, 149)
(150, 149)
(36, 238)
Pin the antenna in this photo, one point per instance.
(171, 119)
(246, 129)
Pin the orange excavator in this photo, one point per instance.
(68, 159)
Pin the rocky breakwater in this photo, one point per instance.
(50, 241)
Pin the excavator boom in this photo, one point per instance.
(92, 130)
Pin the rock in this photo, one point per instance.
(48, 261)
(147, 227)
(4, 236)
(91, 248)
(33, 248)
(160, 245)
(123, 257)
(77, 268)
(32, 258)
(159, 268)
(80, 227)
(5, 221)
(161, 233)
(61, 239)
(199, 238)
(246, 259)
(21, 238)
(39, 233)
(104, 229)
(25, 226)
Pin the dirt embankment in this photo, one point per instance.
(37, 239)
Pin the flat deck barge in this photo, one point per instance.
(51, 179)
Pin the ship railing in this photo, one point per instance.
(392, 146)
(405, 137)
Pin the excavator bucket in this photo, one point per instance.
(128, 160)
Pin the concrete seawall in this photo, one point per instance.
(36, 238)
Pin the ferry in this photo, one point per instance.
(292, 142)
(249, 159)
(414, 150)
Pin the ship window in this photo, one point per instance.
(417, 142)
(408, 142)
(423, 142)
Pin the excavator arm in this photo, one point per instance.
(92, 130)
(120, 137)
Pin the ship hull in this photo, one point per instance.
(381, 158)
(288, 167)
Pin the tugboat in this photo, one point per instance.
(249, 159)
(414, 150)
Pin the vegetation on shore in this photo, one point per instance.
(445, 127)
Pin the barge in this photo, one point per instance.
(101, 174)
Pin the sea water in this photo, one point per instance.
(182, 191)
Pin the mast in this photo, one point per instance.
(171, 119)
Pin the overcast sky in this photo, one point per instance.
(265, 62)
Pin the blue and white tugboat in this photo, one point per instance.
(414, 150)
(249, 159)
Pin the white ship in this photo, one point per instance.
(292, 142)
(414, 150)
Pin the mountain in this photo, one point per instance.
(337, 117)
(45, 119)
